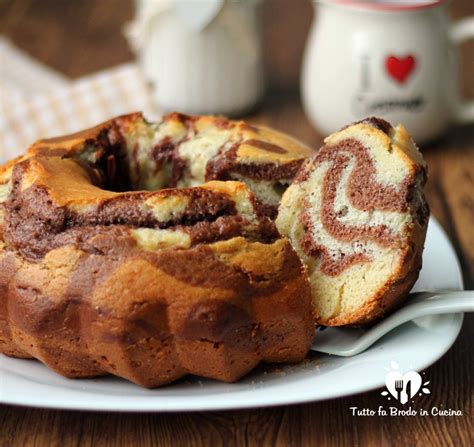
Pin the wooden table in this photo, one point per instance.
(82, 36)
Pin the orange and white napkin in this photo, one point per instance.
(37, 102)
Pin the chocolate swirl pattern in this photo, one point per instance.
(97, 277)
(183, 151)
(357, 217)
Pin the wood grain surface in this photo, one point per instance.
(82, 36)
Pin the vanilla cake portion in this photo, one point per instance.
(357, 216)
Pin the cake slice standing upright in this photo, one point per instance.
(357, 216)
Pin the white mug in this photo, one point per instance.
(396, 60)
(200, 56)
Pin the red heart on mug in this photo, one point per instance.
(399, 68)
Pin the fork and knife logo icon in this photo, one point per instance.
(399, 388)
(403, 386)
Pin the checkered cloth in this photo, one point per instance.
(36, 102)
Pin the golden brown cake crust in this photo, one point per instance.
(145, 285)
(212, 310)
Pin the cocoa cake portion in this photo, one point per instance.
(102, 274)
(357, 216)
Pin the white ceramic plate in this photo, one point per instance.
(415, 345)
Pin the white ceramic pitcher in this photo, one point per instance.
(200, 56)
(394, 59)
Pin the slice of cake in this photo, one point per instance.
(357, 216)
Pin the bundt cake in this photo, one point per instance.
(357, 217)
(148, 250)
(97, 277)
